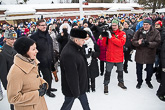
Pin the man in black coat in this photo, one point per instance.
(74, 70)
(45, 53)
(7, 54)
(161, 90)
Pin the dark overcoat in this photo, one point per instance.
(45, 48)
(73, 70)
(6, 61)
(146, 55)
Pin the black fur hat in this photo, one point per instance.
(78, 33)
(22, 45)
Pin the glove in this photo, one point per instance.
(109, 34)
(146, 43)
(42, 90)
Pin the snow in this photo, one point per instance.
(118, 99)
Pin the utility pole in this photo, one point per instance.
(81, 9)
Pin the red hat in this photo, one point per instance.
(26, 30)
(159, 22)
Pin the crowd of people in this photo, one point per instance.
(31, 53)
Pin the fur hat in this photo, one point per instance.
(78, 33)
(22, 45)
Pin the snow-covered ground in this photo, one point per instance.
(118, 99)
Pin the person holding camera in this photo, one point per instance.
(25, 88)
(146, 41)
(114, 54)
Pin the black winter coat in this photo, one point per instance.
(62, 40)
(45, 48)
(6, 61)
(162, 34)
(73, 70)
(129, 36)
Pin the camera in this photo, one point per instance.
(144, 41)
(104, 30)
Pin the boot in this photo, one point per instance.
(121, 84)
(55, 75)
(125, 70)
(138, 86)
(106, 89)
(149, 85)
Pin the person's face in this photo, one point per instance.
(42, 26)
(90, 20)
(125, 25)
(85, 25)
(157, 26)
(32, 52)
(10, 42)
(114, 26)
(12, 28)
(79, 41)
(102, 20)
(153, 16)
(133, 20)
(75, 27)
(146, 26)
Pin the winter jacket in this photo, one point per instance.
(139, 25)
(73, 70)
(62, 40)
(103, 49)
(162, 34)
(115, 45)
(146, 54)
(23, 84)
(133, 26)
(162, 58)
(45, 48)
(6, 61)
(92, 52)
(129, 36)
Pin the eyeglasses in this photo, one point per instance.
(114, 25)
(42, 25)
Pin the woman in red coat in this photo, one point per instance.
(114, 54)
(102, 56)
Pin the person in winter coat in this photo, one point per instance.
(92, 51)
(102, 56)
(25, 88)
(74, 70)
(7, 54)
(45, 54)
(128, 45)
(114, 54)
(63, 37)
(55, 50)
(133, 23)
(145, 40)
(161, 89)
(140, 24)
(161, 29)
